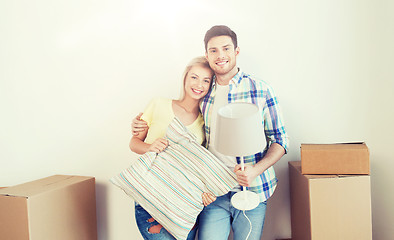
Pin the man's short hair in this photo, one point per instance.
(220, 30)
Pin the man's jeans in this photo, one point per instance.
(217, 218)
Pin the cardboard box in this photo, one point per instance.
(341, 158)
(327, 207)
(59, 207)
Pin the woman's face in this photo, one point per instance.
(197, 82)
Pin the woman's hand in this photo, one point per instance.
(138, 125)
(158, 145)
(208, 198)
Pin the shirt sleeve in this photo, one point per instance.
(274, 126)
(148, 112)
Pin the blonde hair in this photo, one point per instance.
(197, 61)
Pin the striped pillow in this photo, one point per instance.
(169, 185)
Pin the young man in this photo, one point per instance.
(233, 85)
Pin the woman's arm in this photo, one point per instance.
(138, 145)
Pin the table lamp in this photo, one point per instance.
(239, 133)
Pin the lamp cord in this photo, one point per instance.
(250, 224)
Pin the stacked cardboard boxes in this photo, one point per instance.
(330, 193)
(60, 207)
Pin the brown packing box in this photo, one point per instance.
(341, 158)
(327, 207)
(59, 207)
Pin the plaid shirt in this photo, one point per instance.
(244, 88)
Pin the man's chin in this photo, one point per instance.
(221, 71)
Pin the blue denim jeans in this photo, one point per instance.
(142, 217)
(217, 218)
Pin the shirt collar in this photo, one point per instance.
(238, 77)
(236, 80)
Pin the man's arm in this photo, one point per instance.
(138, 125)
(140, 129)
(275, 131)
(245, 178)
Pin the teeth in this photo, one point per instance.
(221, 63)
(197, 91)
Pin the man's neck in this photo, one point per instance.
(224, 79)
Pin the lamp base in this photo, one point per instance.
(245, 200)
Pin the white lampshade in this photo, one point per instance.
(239, 130)
(239, 133)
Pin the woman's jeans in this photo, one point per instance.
(217, 218)
(144, 223)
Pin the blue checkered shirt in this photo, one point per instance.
(244, 88)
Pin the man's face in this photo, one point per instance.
(221, 55)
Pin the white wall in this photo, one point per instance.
(74, 73)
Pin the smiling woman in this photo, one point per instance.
(197, 80)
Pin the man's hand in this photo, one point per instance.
(138, 125)
(208, 198)
(246, 177)
(158, 145)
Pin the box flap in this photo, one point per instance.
(37, 187)
(345, 146)
(297, 166)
